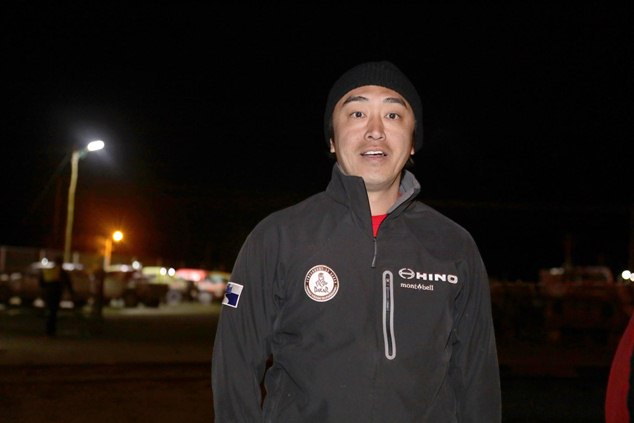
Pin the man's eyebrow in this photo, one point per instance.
(355, 98)
(394, 100)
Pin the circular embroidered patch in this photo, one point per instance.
(321, 283)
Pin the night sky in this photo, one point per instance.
(213, 118)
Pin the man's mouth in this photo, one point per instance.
(373, 153)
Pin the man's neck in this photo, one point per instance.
(381, 201)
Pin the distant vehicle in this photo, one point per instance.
(126, 284)
(215, 284)
(583, 301)
(209, 284)
(6, 293)
(24, 288)
(178, 289)
(83, 283)
(577, 276)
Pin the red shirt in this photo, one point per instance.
(376, 222)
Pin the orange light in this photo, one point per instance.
(117, 236)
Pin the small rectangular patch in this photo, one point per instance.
(232, 294)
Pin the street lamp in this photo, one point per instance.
(116, 236)
(70, 210)
(101, 275)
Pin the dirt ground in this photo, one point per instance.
(155, 366)
(181, 393)
(96, 394)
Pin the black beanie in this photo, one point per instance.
(384, 74)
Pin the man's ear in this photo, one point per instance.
(332, 146)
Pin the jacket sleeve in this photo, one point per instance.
(474, 370)
(618, 397)
(242, 341)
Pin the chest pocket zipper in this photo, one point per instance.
(388, 315)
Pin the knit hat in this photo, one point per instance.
(384, 74)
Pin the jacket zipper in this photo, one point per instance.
(388, 316)
(373, 265)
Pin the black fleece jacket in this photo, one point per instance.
(396, 328)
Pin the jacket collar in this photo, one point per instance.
(350, 191)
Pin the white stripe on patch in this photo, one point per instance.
(232, 294)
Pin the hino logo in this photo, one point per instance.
(434, 277)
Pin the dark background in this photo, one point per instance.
(212, 118)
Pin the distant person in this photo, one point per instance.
(54, 280)
(368, 305)
(619, 401)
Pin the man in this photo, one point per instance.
(53, 280)
(401, 330)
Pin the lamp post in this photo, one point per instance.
(107, 255)
(101, 274)
(70, 210)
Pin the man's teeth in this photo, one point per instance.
(373, 153)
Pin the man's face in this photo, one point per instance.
(373, 135)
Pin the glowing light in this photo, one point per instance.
(95, 145)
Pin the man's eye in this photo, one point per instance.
(356, 114)
(392, 116)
